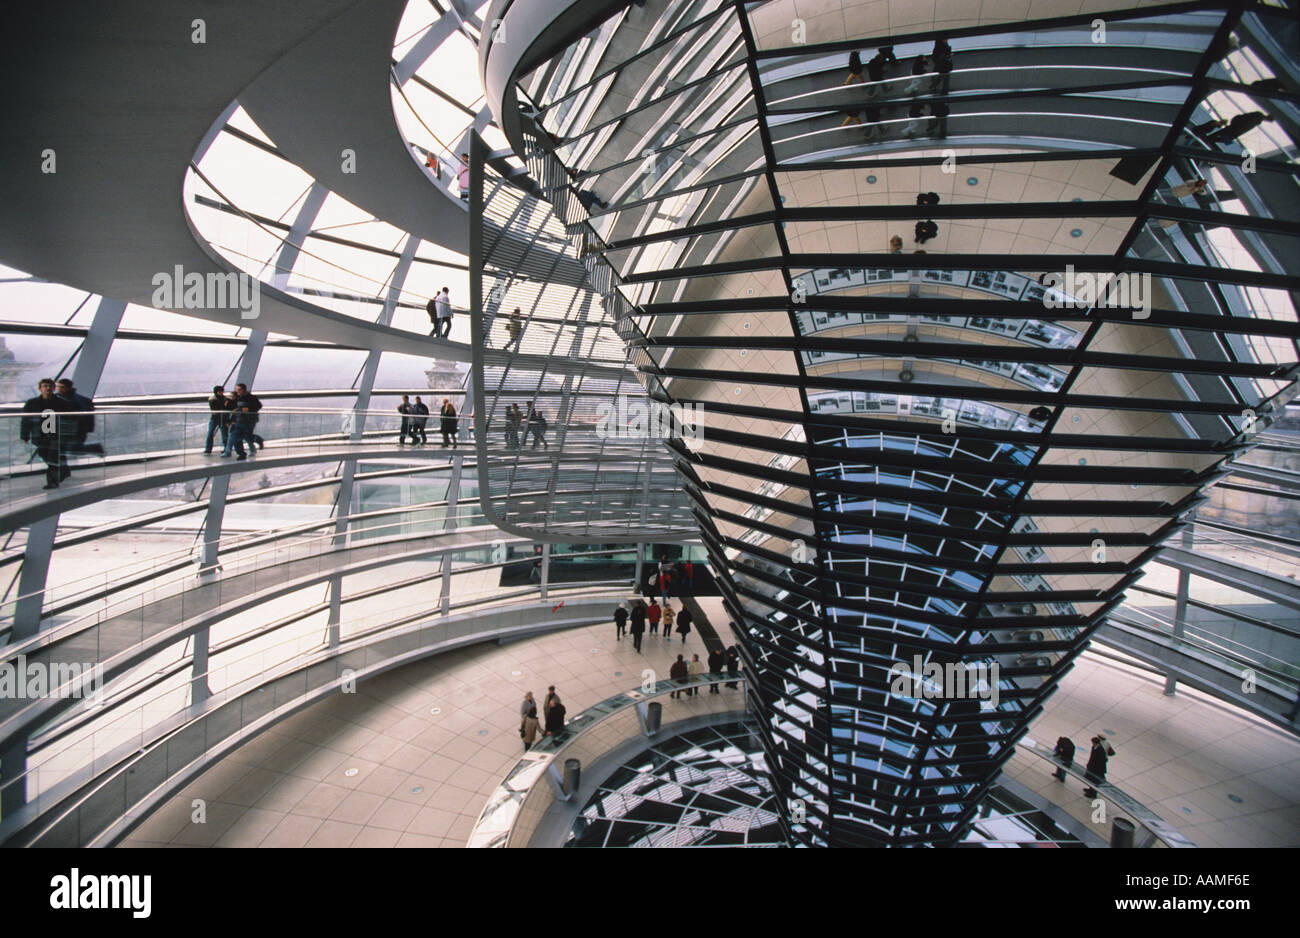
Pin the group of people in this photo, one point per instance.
(534, 424)
(415, 416)
(925, 230)
(439, 309)
(55, 437)
(676, 577)
(720, 661)
(928, 73)
(1095, 772)
(642, 615)
(549, 722)
(235, 416)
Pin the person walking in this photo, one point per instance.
(1064, 752)
(638, 624)
(654, 614)
(684, 620)
(1096, 770)
(442, 314)
(665, 576)
(717, 661)
(733, 665)
(419, 417)
(695, 668)
(404, 409)
(679, 673)
(85, 419)
(220, 407)
(530, 727)
(1239, 125)
(668, 617)
(620, 621)
(688, 579)
(925, 230)
(537, 425)
(448, 424)
(513, 419)
(50, 433)
(515, 327)
(246, 407)
(920, 67)
(855, 68)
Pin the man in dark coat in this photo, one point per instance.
(638, 624)
(219, 406)
(246, 407)
(684, 620)
(1064, 753)
(620, 621)
(85, 419)
(717, 661)
(555, 717)
(51, 434)
(733, 664)
(678, 672)
(1096, 771)
(419, 417)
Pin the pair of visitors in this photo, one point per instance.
(50, 433)
(440, 314)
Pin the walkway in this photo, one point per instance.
(423, 777)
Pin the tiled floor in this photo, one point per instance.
(1222, 778)
(421, 777)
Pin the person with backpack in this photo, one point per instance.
(442, 314)
(1096, 771)
(620, 621)
(1064, 752)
